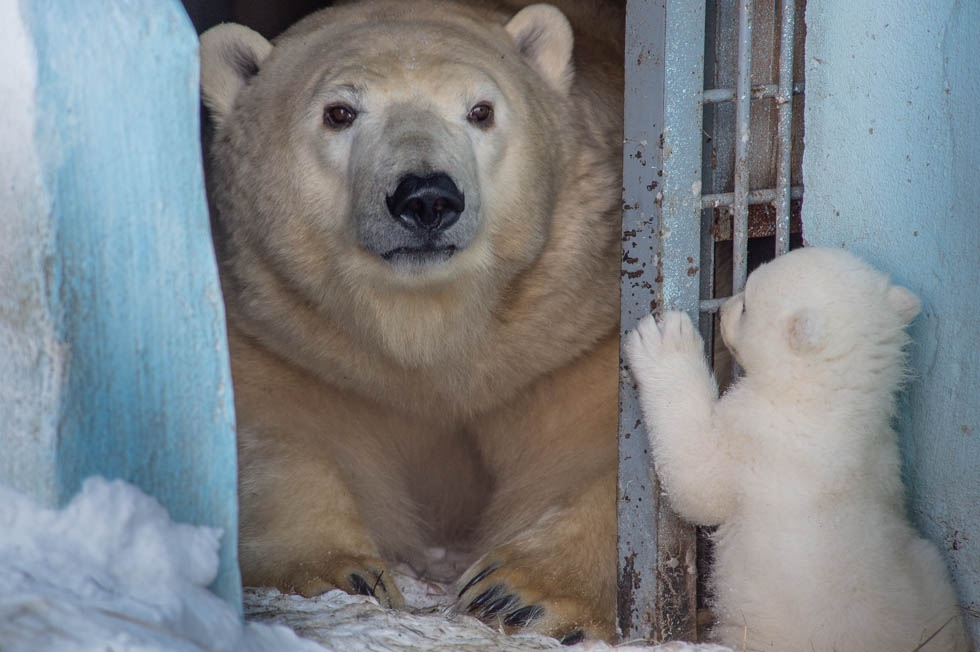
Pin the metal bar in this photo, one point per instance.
(661, 247)
(743, 84)
(761, 196)
(663, 253)
(683, 115)
(784, 128)
(681, 273)
(639, 495)
(712, 305)
(719, 95)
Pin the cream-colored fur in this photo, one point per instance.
(386, 405)
(797, 464)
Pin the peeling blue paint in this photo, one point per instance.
(124, 279)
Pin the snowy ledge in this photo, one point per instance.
(112, 571)
(338, 621)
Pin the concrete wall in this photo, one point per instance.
(113, 359)
(891, 169)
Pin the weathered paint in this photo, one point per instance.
(661, 248)
(639, 494)
(740, 203)
(30, 354)
(115, 360)
(891, 167)
(784, 127)
(680, 271)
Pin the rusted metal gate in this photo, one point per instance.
(704, 172)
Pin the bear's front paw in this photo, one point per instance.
(515, 597)
(355, 575)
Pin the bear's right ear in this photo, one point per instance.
(544, 37)
(904, 302)
(806, 331)
(230, 57)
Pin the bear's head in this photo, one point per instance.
(820, 312)
(388, 161)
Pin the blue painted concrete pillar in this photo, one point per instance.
(891, 168)
(113, 357)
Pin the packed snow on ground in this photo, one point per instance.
(111, 571)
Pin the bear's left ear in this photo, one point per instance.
(544, 37)
(904, 302)
(230, 57)
(806, 332)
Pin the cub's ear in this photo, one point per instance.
(904, 302)
(807, 332)
(544, 37)
(230, 57)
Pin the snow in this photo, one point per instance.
(112, 571)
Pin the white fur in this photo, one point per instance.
(798, 464)
(224, 49)
(544, 36)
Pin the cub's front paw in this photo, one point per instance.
(650, 345)
(355, 575)
(507, 593)
(643, 346)
(680, 334)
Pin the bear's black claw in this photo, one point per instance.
(572, 637)
(490, 594)
(479, 577)
(360, 585)
(498, 605)
(523, 616)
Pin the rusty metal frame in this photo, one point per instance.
(667, 240)
(661, 247)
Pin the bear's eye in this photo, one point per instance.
(481, 115)
(338, 116)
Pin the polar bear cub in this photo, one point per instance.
(797, 464)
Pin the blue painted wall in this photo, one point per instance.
(111, 321)
(891, 169)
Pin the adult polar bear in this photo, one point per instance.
(416, 210)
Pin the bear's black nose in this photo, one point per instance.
(431, 203)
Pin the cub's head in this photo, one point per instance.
(819, 310)
(388, 146)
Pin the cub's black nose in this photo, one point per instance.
(431, 203)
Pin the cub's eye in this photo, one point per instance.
(338, 116)
(481, 115)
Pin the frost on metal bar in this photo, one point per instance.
(740, 205)
(661, 250)
(760, 92)
(684, 167)
(681, 270)
(638, 500)
(762, 196)
(784, 130)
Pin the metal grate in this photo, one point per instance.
(742, 96)
(699, 167)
